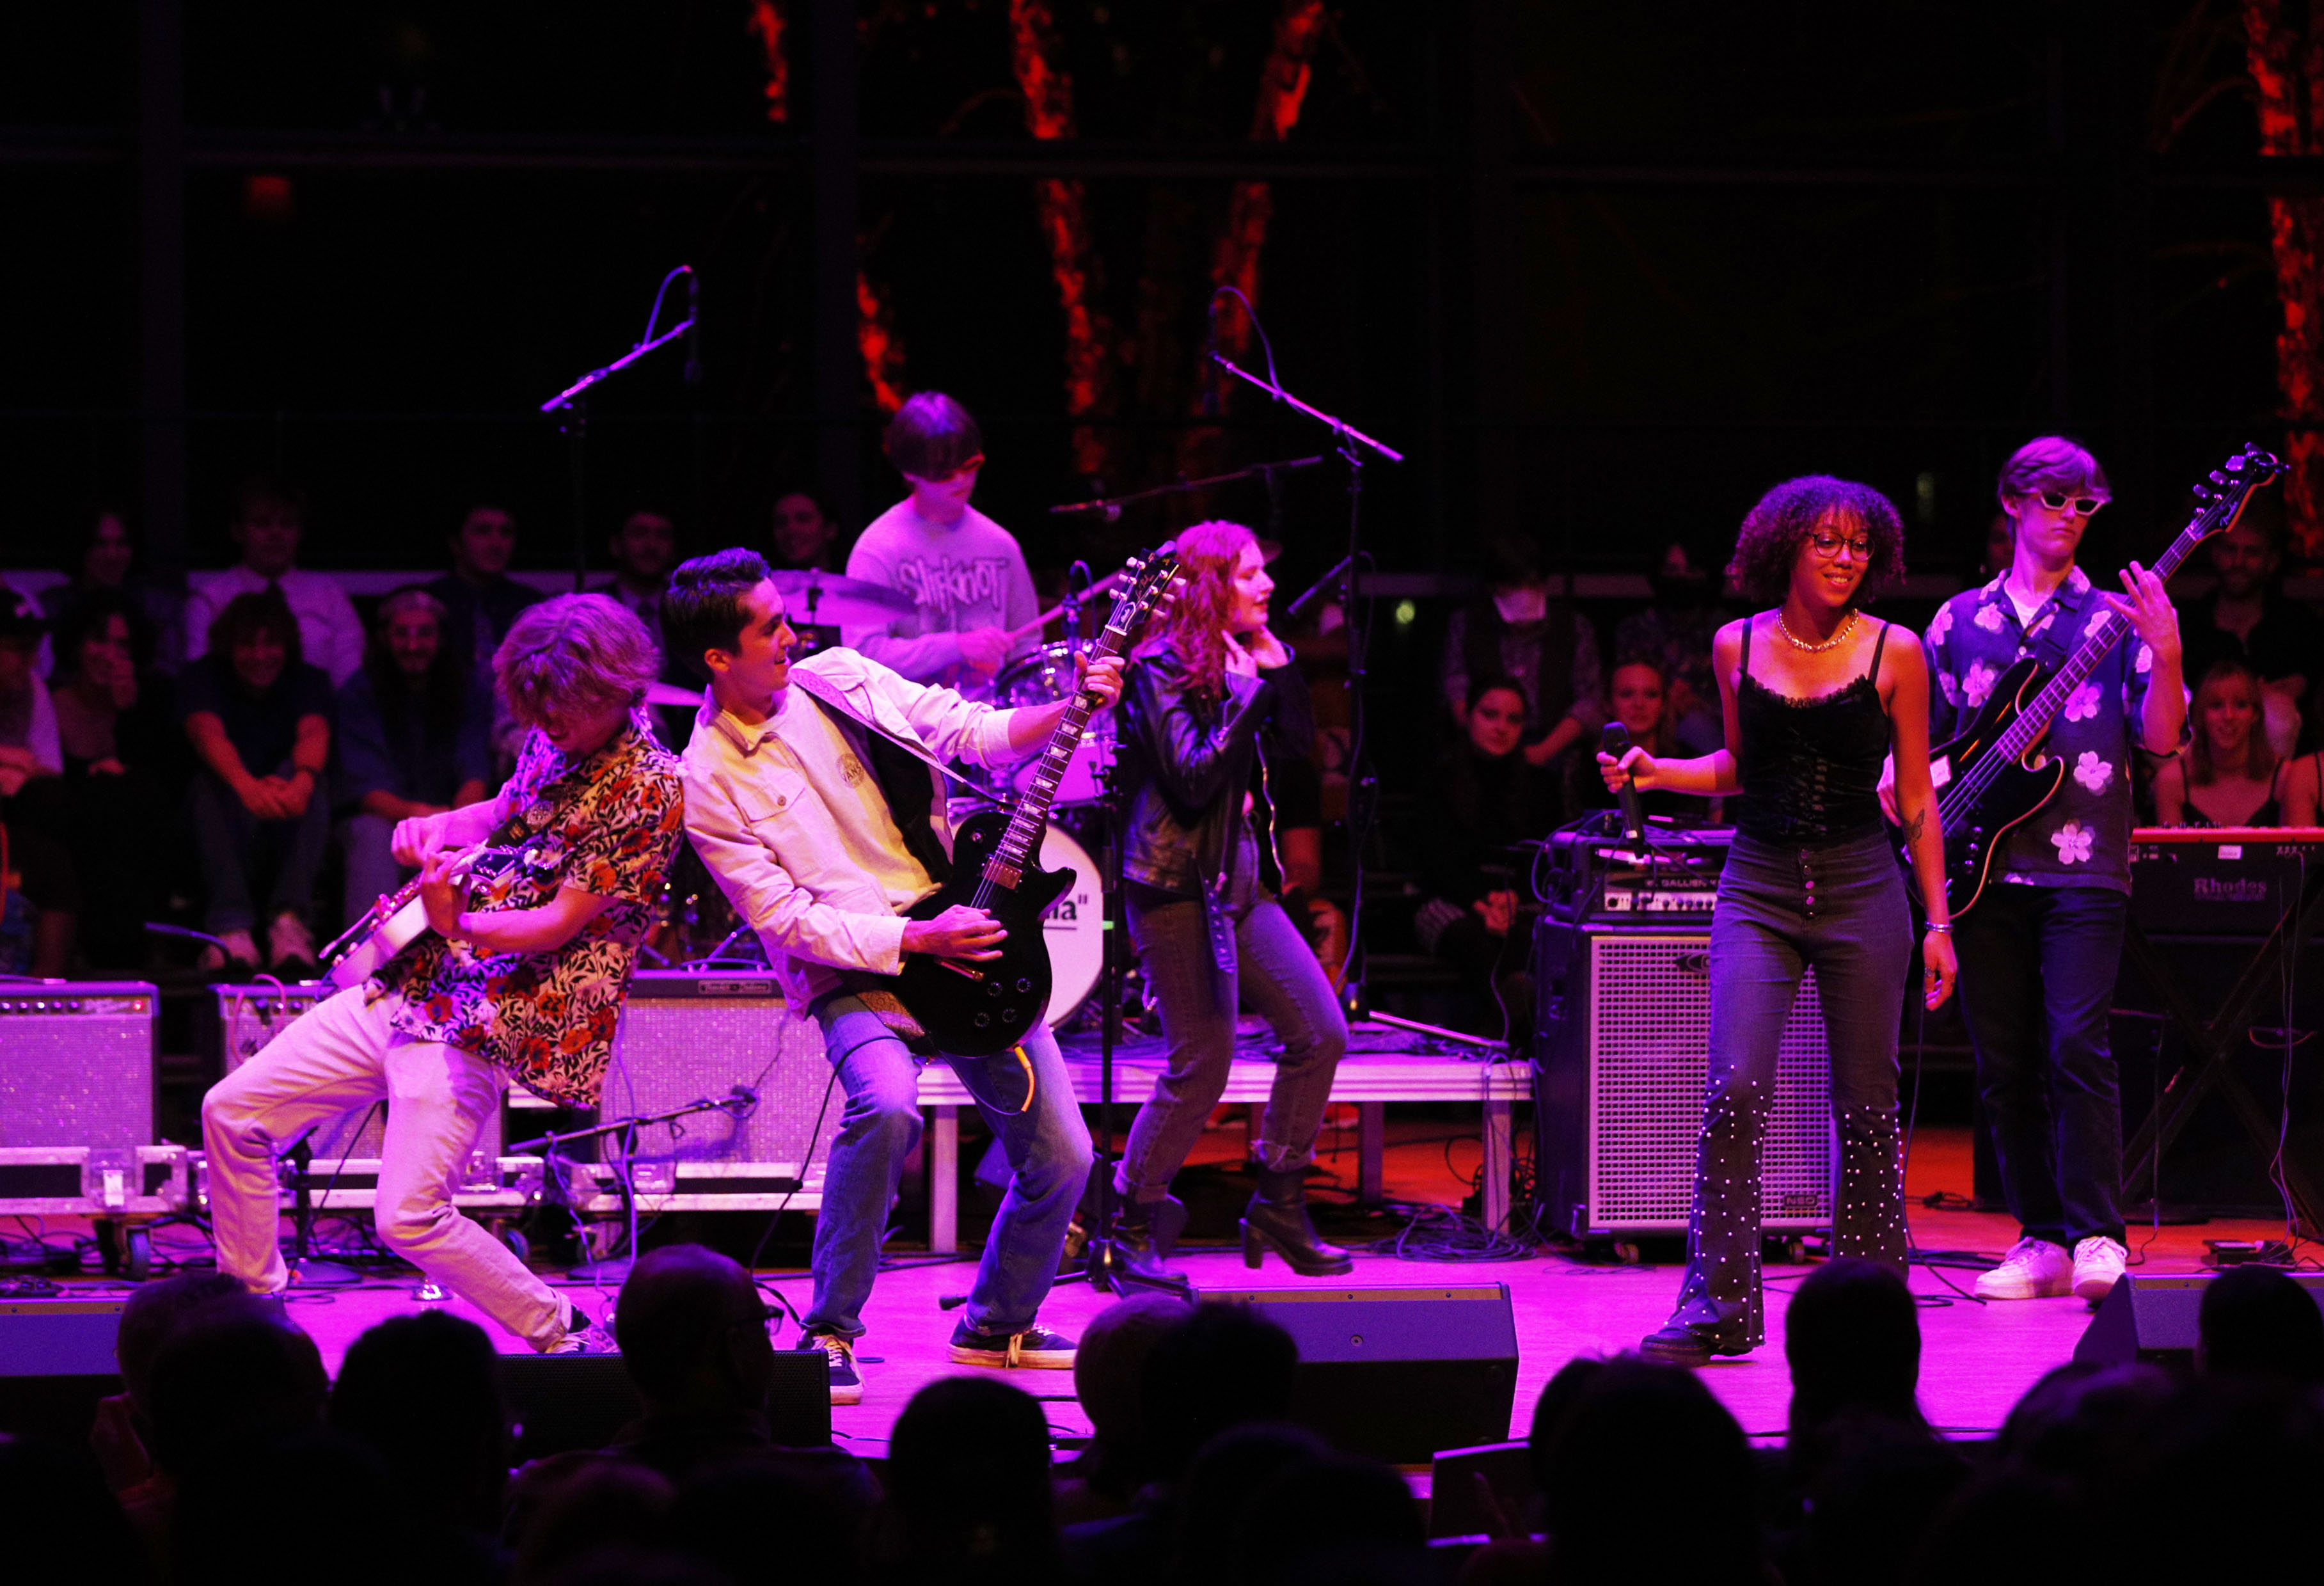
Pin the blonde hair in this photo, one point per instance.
(576, 652)
(2259, 754)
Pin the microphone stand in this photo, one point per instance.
(738, 1102)
(1111, 505)
(572, 405)
(1353, 446)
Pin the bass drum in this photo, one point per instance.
(1073, 928)
(1044, 677)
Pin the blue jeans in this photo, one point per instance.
(1047, 1146)
(1277, 967)
(238, 849)
(1841, 908)
(2038, 975)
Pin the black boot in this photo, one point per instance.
(1277, 1219)
(1146, 1233)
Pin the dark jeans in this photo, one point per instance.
(240, 854)
(1841, 910)
(1278, 968)
(2038, 975)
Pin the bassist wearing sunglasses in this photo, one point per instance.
(2039, 945)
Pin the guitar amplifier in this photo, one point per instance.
(688, 1037)
(1621, 1057)
(2221, 882)
(249, 1017)
(79, 1069)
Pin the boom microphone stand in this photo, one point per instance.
(1353, 445)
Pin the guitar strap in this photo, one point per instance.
(822, 691)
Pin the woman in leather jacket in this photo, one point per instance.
(1199, 882)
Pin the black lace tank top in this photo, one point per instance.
(1811, 767)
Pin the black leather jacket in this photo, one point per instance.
(1185, 764)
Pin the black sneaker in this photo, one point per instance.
(846, 1381)
(1677, 1345)
(1037, 1348)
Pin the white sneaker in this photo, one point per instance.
(290, 945)
(2098, 1261)
(2033, 1269)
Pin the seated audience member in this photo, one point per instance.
(1642, 707)
(1114, 1347)
(2248, 618)
(28, 747)
(1521, 631)
(150, 1318)
(124, 773)
(2256, 1321)
(2000, 548)
(259, 720)
(104, 563)
(1212, 1506)
(693, 1332)
(2228, 774)
(1489, 798)
(644, 550)
(270, 519)
(1640, 1427)
(1516, 1553)
(2180, 1481)
(39, 897)
(480, 601)
(61, 1523)
(1331, 1518)
(968, 1487)
(1852, 1339)
(1674, 634)
(806, 539)
(305, 1495)
(410, 739)
(726, 1513)
(422, 1393)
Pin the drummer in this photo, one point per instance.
(964, 572)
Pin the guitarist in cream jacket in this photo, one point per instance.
(2040, 948)
(818, 829)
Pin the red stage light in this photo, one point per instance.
(267, 197)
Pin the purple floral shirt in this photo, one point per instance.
(548, 1017)
(2081, 838)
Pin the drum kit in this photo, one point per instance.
(704, 928)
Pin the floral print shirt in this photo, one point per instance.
(548, 1017)
(2081, 838)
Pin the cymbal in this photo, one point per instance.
(825, 599)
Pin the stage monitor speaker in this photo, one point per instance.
(79, 1069)
(565, 1402)
(56, 1361)
(251, 1016)
(684, 1036)
(1393, 1373)
(2154, 1319)
(1620, 1057)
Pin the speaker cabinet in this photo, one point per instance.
(249, 1017)
(1621, 1057)
(1397, 1373)
(565, 1402)
(685, 1037)
(2154, 1319)
(79, 1067)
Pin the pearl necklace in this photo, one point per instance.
(1833, 643)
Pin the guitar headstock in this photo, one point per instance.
(1149, 585)
(2233, 481)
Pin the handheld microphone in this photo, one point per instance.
(693, 328)
(1209, 369)
(1614, 739)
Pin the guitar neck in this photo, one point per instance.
(1030, 822)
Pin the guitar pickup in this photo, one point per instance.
(961, 970)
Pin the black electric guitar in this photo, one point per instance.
(975, 1010)
(1994, 776)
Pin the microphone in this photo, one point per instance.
(1210, 369)
(693, 328)
(1614, 739)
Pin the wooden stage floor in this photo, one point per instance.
(1976, 1360)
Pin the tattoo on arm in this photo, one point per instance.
(1913, 828)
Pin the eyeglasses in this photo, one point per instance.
(1832, 545)
(2082, 505)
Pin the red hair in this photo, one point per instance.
(1196, 624)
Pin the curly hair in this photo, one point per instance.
(249, 614)
(1768, 544)
(1196, 625)
(576, 652)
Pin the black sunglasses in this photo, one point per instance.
(2083, 505)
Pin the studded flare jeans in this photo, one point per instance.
(1841, 910)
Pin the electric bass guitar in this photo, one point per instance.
(1993, 777)
(975, 1008)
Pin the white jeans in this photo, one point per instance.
(344, 1055)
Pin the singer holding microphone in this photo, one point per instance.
(1815, 695)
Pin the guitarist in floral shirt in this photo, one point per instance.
(521, 977)
(2039, 949)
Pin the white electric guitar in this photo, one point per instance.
(390, 925)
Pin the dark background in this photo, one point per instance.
(1604, 273)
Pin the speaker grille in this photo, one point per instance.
(82, 1075)
(1649, 1055)
(249, 1017)
(675, 1049)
